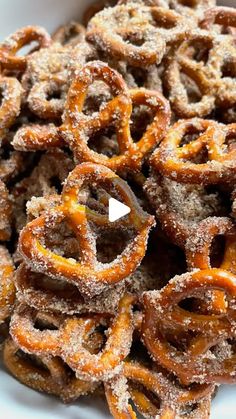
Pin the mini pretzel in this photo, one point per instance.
(52, 377)
(172, 399)
(51, 171)
(179, 92)
(39, 103)
(85, 274)
(78, 128)
(194, 361)
(181, 207)
(70, 34)
(7, 287)
(11, 103)
(136, 35)
(16, 41)
(198, 246)
(69, 341)
(39, 292)
(174, 160)
(208, 60)
(224, 16)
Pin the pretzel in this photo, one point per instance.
(198, 98)
(180, 208)
(70, 34)
(69, 340)
(199, 245)
(43, 107)
(174, 160)
(16, 41)
(46, 179)
(39, 291)
(224, 16)
(78, 128)
(136, 35)
(173, 400)
(85, 274)
(208, 60)
(11, 103)
(194, 361)
(52, 377)
(7, 287)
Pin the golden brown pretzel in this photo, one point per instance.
(40, 291)
(171, 399)
(11, 103)
(225, 16)
(163, 317)
(208, 61)
(39, 103)
(7, 287)
(69, 340)
(52, 376)
(78, 128)
(45, 179)
(136, 35)
(84, 274)
(16, 41)
(70, 34)
(180, 208)
(174, 160)
(198, 246)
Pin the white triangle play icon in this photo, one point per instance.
(117, 210)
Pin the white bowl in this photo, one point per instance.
(16, 400)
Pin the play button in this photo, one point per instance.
(117, 210)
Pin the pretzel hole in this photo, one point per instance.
(60, 288)
(44, 325)
(61, 240)
(141, 117)
(98, 95)
(56, 183)
(192, 89)
(110, 245)
(105, 142)
(70, 34)
(199, 50)
(189, 3)
(139, 74)
(228, 69)
(217, 251)
(136, 39)
(34, 360)
(27, 49)
(154, 398)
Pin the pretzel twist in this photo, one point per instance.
(141, 382)
(174, 160)
(16, 41)
(52, 377)
(137, 35)
(198, 247)
(69, 340)
(194, 361)
(85, 274)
